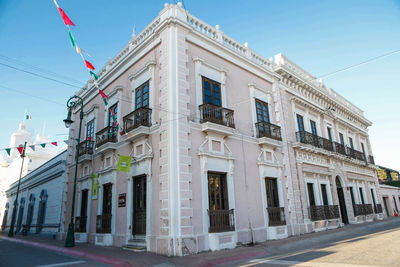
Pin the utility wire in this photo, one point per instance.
(39, 75)
(35, 96)
(49, 72)
(359, 64)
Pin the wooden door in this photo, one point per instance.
(139, 206)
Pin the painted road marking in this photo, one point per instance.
(310, 263)
(62, 264)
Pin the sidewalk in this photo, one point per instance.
(118, 257)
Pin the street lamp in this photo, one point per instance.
(73, 102)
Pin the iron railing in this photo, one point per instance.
(314, 140)
(276, 216)
(378, 208)
(80, 224)
(108, 134)
(362, 209)
(324, 212)
(266, 129)
(86, 147)
(103, 224)
(355, 154)
(339, 148)
(216, 114)
(221, 221)
(138, 117)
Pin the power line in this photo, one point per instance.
(35, 96)
(26, 65)
(44, 77)
(361, 63)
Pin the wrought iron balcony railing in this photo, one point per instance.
(355, 154)
(80, 224)
(138, 117)
(314, 140)
(362, 209)
(378, 208)
(107, 135)
(324, 212)
(103, 224)
(266, 129)
(221, 221)
(86, 148)
(216, 114)
(276, 216)
(339, 148)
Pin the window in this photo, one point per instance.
(211, 92)
(300, 123)
(352, 196)
(20, 214)
(311, 198)
(84, 201)
(217, 192)
(361, 195)
(373, 198)
(341, 138)
(90, 130)
(142, 96)
(107, 199)
(112, 113)
(313, 127)
(363, 148)
(395, 205)
(262, 111)
(324, 195)
(329, 134)
(41, 210)
(271, 187)
(351, 142)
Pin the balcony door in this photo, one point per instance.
(212, 110)
(262, 118)
(106, 208)
(139, 205)
(142, 96)
(90, 130)
(112, 113)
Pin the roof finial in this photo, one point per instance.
(134, 31)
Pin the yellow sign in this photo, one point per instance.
(124, 163)
(382, 174)
(395, 176)
(95, 186)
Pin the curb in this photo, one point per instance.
(72, 252)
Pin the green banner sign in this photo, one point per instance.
(95, 186)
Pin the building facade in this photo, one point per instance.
(227, 147)
(39, 201)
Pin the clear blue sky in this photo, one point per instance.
(320, 36)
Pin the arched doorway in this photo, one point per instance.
(20, 215)
(342, 203)
(41, 211)
(29, 216)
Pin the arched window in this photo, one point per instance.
(3, 225)
(20, 215)
(29, 216)
(41, 211)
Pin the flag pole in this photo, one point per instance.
(14, 213)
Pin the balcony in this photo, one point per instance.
(103, 224)
(355, 154)
(314, 140)
(362, 209)
(137, 118)
(269, 130)
(216, 114)
(371, 160)
(86, 148)
(221, 221)
(324, 212)
(107, 135)
(276, 216)
(339, 148)
(80, 224)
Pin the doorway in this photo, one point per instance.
(342, 203)
(139, 205)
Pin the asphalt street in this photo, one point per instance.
(20, 255)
